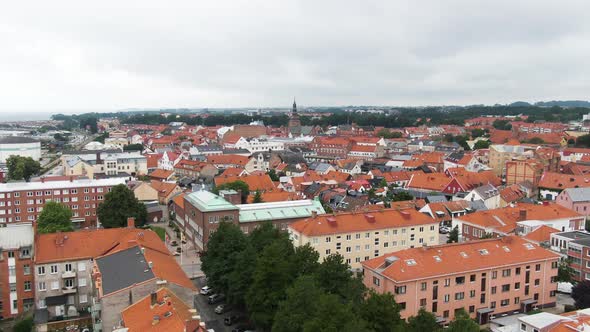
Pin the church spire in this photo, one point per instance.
(294, 106)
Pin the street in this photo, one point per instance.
(206, 310)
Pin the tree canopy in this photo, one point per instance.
(239, 186)
(453, 235)
(55, 217)
(257, 197)
(581, 294)
(481, 144)
(118, 205)
(22, 168)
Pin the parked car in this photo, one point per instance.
(179, 250)
(206, 290)
(216, 298)
(174, 243)
(242, 328)
(232, 319)
(223, 308)
(444, 230)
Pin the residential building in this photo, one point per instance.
(259, 182)
(578, 253)
(551, 184)
(24, 201)
(260, 144)
(508, 220)
(17, 294)
(102, 164)
(559, 242)
(489, 194)
(168, 160)
(332, 147)
(518, 171)
(577, 199)
(487, 278)
(359, 236)
(194, 169)
(501, 153)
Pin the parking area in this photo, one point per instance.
(207, 311)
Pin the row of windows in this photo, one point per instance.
(54, 268)
(385, 233)
(54, 285)
(82, 298)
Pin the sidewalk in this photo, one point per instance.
(189, 260)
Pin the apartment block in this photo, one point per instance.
(360, 236)
(104, 164)
(24, 201)
(16, 270)
(487, 278)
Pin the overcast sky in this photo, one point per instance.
(109, 55)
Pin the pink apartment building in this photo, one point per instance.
(487, 278)
(577, 199)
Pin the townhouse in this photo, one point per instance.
(551, 184)
(16, 270)
(487, 278)
(359, 236)
(331, 147)
(194, 169)
(517, 219)
(24, 201)
(104, 164)
(577, 199)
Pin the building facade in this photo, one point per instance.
(487, 278)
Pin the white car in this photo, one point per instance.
(564, 287)
(206, 290)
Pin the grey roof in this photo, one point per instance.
(478, 205)
(235, 151)
(123, 269)
(16, 140)
(436, 199)
(578, 194)
(574, 235)
(486, 191)
(15, 236)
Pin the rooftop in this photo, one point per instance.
(207, 201)
(279, 210)
(16, 236)
(447, 259)
(123, 269)
(16, 140)
(80, 183)
(578, 194)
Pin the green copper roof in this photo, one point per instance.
(206, 202)
(279, 210)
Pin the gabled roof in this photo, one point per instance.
(578, 194)
(541, 234)
(164, 188)
(115, 278)
(430, 181)
(161, 174)
(260, 182)
(173, 314)
(551, 180)
(447, 259)
(228, 159)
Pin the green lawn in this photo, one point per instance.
(160, 231)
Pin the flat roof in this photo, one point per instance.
(279, 210)
(16, 236)
(575, 235)
(207, 201)
(80, 183)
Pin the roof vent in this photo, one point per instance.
(331, 221)
(168, 314)
(370, 218)
(405, 214)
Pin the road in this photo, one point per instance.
(206, 310)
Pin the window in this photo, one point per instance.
(494, 274)
(68, 267)
(338, 246)
(348, 237)
(422, 302)
(348, 249)
(505, 302)
(400, 290)
(376, 281)
(26, 269)
(447, 282)
(538, 267)
(537, 282)
(472, 278)
(55, 285)
(460, 280)
(53, 269)
(367, 235)
(459, 296)
(446, 314)
(83, 298)
(472, 293)
(506, 273)
(41, 286)
(357, 236)
(69, 283)
(328, 251)
(423, 286)
(40, 270)
(11, 271)
(494, 289)
(11, 254)
(12, 287)
(493, 304)
(471, 309)
(447, 298)
(27, 286)
(328, 239)
(517, 285)
(517, 300)
(506, 288)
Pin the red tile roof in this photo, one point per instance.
(260, 182)
(541, 234)
(551, 180)
(358, 221)
(427, 262)
(161, 174)
(428, 181)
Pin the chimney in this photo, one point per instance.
(71, 178)
(98, 161)
(130, 222)
(405, 214)
(522, 214)
(332, 221)
(150, 264)
(42, 179)
(370, 218)
(153, 298)
(155, 320)
(314, 214)
(545, 203)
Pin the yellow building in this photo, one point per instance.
(360, 236)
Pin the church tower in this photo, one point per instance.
(294, 121)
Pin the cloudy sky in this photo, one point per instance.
(109, 55)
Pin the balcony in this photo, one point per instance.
(69, 274)
(69, 290)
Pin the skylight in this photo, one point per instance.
(410, 262)
(464, 254)
(484, 251)
(506, 249)
(529, 246)
(437, 258)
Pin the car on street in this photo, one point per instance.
(206, 290)
(223, 308)
(215, 298)
(444, 230)
(232, 319)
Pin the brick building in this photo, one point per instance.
(24, 201)
(17, 286)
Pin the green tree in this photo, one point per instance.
(402, 196)
(477, 133)
(372, 193)
(502, 125)
(463, 323)
(239, 186)
(55, 217)
(274, 273)
(133, 147)
(118, 205)
(257, 197)
(306, 260)
(273, 175)
(223, 252)
(334, 315)
(24, 325)
(381, 312)
(423, 321)
(481, 145)
(535, 140)
(564, 271)
(22, 168)
(581, 294)
(583, 141)
(299, 305)
(335, 277)
(386, 133)
(454, 235)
